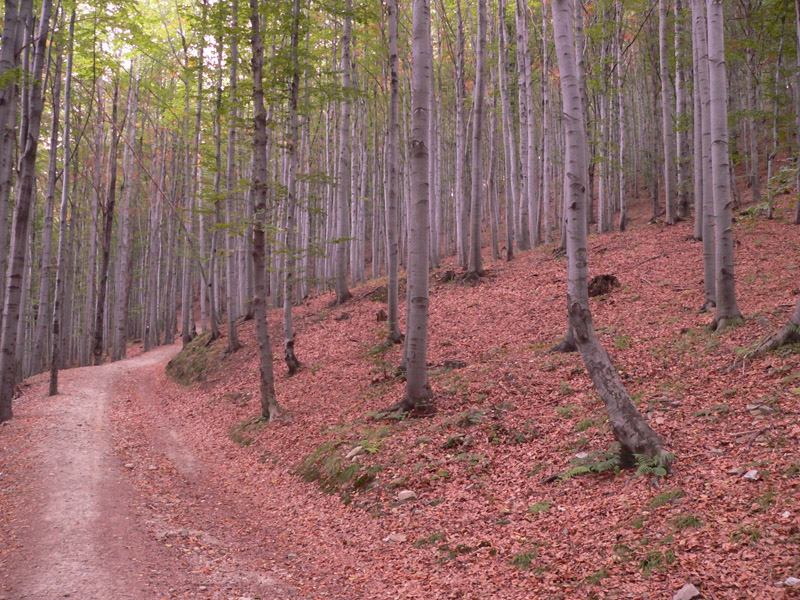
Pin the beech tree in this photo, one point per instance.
(13, 306)
(418, 396)
(727, 308)
(630, 429)
(270, 410)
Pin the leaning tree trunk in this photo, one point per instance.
(631, 430)
(393, 334)
(269, 402)
(727, 311)
(19, 236)
(418, 397)
(475, 265)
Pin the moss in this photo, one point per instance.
(196, 360)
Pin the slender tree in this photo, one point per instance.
(475, 266)
(270, 409)
(392, 180)
(343, 176)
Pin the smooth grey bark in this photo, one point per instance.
(12, 308)
(289, 356)
(460, 198)
(727, 309)
(124, 245)
(418, 397)
(753, 123)
(393, 335)
(629, 427)
(666, 116)
(774, 149)
(681, 130)
(545, 200)
(62, 256)
(343, 176)
(709, 255)
(108, 222)
(796, 219)
(269, 402)
(524, 75)
(697, 135)
(621, 147)
(475, 265)
(10, 49)
(509, 141)
(230, 180)
(45, 311)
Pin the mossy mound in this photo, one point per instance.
(195, 361)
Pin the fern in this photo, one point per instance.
(657, 466)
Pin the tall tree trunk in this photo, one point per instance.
(796, 114)
(681, 137)
(418, 397)
(461, 205)
(509, 141)
(230, 180)
(343, 176)
(727, 311)
(124, 246)
(269, 402)
(291, 189)
(62, 254)
(629, 427)
(45, 312)
(10, 49)
(393, 183)
(12, 308)
(666, 116)
(108, 222)
(475, 266)
(618, 81)
(753, 124)
(709, 255)
(524, 76)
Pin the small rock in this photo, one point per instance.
(687, 592)
(582, 455)
(355, 452)
(184, 533)
(786, 515)
(751, 475)
(203, 588)
(791, 582)
(128, 465)
(152, 468)
(406, 495)
(736, 471)
(660, 420)
(396, 538)
(717, 451)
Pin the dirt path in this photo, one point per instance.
(77, 522)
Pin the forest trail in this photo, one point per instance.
(80, 525)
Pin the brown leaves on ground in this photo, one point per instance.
(327, 518)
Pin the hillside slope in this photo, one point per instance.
(483, 520)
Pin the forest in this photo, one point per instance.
(521, 261)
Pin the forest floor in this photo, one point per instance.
(498, 502)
